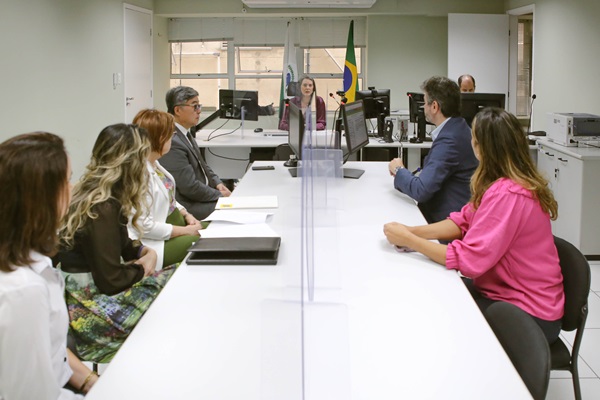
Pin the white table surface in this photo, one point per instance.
(384, 325)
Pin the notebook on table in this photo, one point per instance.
(235, 251)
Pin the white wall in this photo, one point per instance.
(57, 62)
(566, 57)
(403, 51)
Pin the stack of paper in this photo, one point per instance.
(235, 223)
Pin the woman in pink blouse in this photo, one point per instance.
(502, 239)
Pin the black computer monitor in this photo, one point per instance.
(231, 103)
(472, 103)
(355, 128)
(296, 130)
(416, 114)
(376, 104)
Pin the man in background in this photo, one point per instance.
(443, 184)
(466, 83)
(197, 187)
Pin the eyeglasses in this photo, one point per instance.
(197, 107)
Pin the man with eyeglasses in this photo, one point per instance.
(197, 187)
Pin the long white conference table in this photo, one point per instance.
(383, 324)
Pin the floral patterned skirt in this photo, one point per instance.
(99, 323)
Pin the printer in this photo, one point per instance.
(568, 129)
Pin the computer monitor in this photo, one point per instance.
(296, 130)
(355, 128)
(416, 114)
(472, 103)
(376, 104)
(231, 103)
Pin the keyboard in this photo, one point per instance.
(275, 133)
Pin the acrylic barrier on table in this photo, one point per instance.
(312, 330)
(326, 356)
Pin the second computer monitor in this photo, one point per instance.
(376, 104)
(296, 129)
(355, 128)
(232, 102)
(472, 103)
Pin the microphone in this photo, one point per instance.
(331, 95)
(533, 97)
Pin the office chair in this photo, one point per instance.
(524, 343)
(283, 152)
(576, 281)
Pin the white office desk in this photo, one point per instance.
(409, 328)
(234, 147)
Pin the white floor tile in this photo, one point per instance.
(595, 268)
(593, 319)
(590, 350)
(584, 369)
(562, 389)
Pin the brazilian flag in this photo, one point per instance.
(350, 71)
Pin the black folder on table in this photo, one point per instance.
(235, 251)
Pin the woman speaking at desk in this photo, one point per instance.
(502, 239)
(308, 88)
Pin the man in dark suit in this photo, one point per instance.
(443, 184)
(197, 186)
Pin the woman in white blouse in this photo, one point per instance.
(34, 361)
(168, 228)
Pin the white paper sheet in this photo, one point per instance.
(225, 229)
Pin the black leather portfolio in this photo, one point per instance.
(235, 251)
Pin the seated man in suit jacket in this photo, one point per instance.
(197, 186)
(443, 184)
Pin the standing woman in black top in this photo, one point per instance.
(112, 279)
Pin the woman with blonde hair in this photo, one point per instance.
(167, 226)
(105, 295)
(35, 362)
(502, 239)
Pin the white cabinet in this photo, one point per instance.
(574, 177)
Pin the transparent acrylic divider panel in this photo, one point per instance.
(321, 198)
(281, 350)
(326, 352)
(305, 345)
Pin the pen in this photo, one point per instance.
(416, 170)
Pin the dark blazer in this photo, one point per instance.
(443, 184)
(185, 163)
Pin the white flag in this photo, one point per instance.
(289, 75)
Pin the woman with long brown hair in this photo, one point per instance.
(502, 239)
(35, 362)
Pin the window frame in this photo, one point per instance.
(232, 75)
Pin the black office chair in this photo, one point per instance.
(576, 281)
(524, 343)
(283, 152)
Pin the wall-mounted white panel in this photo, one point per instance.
(478, 45)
